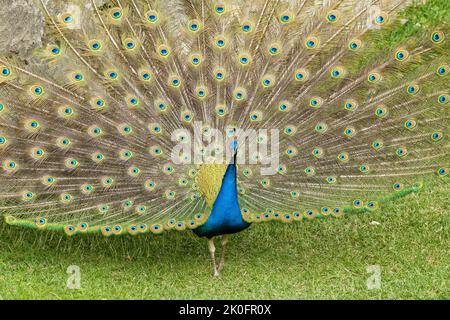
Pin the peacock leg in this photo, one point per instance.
(212, 250)
(224, 241)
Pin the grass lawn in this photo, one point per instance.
(319, 259)
(323, 259)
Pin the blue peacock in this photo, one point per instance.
(88, 127)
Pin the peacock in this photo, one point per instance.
(143, 116)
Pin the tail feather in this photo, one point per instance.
(89, 126)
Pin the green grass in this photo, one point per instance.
(324, 259)
(320, 259)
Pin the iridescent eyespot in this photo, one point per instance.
(401, 55)
(27, 196)
(331, 179)
(77, 77)
(98, 103)
(354, 44)
(256, 116)
(125, 129)
(290, 130)
(443, 98)
(442, 70)
(66, 198)
(364, 168)
(343, 157)
(377, 145)
(67, 18)
(103, 208)
(133, 101)
(372, 205)
(164, 51)
(6, 71)
(155, 128)
(156, 151)
(373, 77)
(201, 92)
(285, 18)
(145, 75)
(168, 169)
(284, 106)
(350, 105)
(186, 116)
(37, 90)
(194, 25)
(321, 127)
(219, 9)
(437, 37)
(37, 153)
(175, 81)
(3, 141)
(381, 18)
(267, 81)
(239, 94)
(265, 183)
(32, 125)
(71, 163)
(442, 171)
(125, 154)
(152, 17)
(54, 50)
(107, 182)
(219, 74)
(220, 42)
(112, 74)
(10, 166)
(401, 152)
(196, 59)
(397, 186)
(63, 142)
(40, 222)
(94, 131)
(357, 203)
(221, 110)
(134, 171)
(169, 194)
(338, 72)
(381, 111)
(95, 45)
(410, 124)
(311, 42)
(437, 136)
(301, 75)
(116, 13)
(150, 185)
(315, 102)
(274, 49)
(349, 132)
(247, 27)
(333, 16)
(244, 59)
(66, 111)
(317, 152)
(129, 44)
(413, 89)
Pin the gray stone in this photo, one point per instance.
(21, 27)
(22, 24)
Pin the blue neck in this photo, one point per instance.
(225, 217)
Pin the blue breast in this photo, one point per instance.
(225, 217)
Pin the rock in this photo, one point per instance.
(21, 27)
(22, 24)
